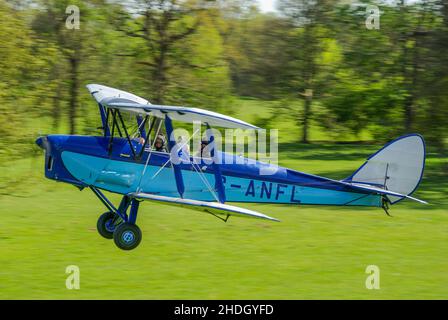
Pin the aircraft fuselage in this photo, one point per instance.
(86, 161)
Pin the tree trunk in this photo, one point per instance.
(409, 113)
(310, 52)
(412, 89)
(306, 115)
(409, 72)
(74, 86)
(159, 74)
(57, 107)
(445, 12)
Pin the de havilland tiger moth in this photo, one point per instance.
(139, 170)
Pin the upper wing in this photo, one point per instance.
(182, 114)
(100, 92)
(210, 207)
(117, 99)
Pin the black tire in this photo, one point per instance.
(127, 236)
(106, 225)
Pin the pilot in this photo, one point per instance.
(159, 144)
(204, 153)
(184, 149)
(139, 143)
(182, 142)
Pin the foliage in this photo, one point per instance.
(315, 58)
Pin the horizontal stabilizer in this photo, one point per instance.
(382, 191)
(214, 208)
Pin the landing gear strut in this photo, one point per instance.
(117, 224)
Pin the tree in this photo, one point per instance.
(434, 81)
(50, 23)
(309, 18)
(19, 64)
(363, 89)
(161, 24)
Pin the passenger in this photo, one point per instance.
(184, 145)
(183, 149)
(204, 152)
(159, 144)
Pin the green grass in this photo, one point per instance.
(315, 252)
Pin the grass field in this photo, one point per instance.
(315, 252)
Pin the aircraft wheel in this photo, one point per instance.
(127, 236)
(106, 225)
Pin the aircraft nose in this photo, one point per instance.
(42, 142)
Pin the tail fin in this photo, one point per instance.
(397, 167)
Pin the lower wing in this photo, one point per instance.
(214, 208)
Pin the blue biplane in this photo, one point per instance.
(119, 162)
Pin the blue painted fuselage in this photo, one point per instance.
(86, 161)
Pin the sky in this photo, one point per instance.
(267, 5)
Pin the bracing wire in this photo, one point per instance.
(149, 156)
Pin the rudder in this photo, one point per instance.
(397, 167)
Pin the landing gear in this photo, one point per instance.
(385, 205)
(106, 225)
(127, 236)
(117, 224)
